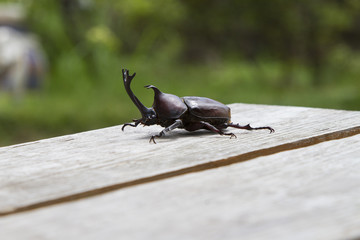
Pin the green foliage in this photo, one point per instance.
(284, 52)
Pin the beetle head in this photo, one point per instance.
(149, 118)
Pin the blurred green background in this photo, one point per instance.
(299, 53)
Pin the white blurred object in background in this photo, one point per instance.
(22, 62)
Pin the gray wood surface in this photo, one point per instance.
(307, 193)
(51, 171)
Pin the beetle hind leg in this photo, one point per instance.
(216, 130)
(177, 124)
(248, 127)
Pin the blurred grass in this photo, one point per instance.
(299, 53)
(75, 100)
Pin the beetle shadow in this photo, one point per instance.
(180, 133)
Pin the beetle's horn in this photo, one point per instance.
(157, 92)
(127, 81)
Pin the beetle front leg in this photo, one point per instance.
(216, 130)
(177, 124)
(248, 127)
(131, 124)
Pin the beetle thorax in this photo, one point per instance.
(168, 106)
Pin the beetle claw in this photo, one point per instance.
(271, 130)
(152, 139)
(232, 135)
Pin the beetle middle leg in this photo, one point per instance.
(216, 130)
(177, 124)
(248, 127)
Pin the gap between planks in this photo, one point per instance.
(197, 168)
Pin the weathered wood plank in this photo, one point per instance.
(49, 171)
(308, 193)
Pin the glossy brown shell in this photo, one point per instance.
(206, 108)
(168, 106)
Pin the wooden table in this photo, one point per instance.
(301, 182)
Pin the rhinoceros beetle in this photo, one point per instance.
(190, 113)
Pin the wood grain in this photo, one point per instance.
(51, 171)
(308, 193)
